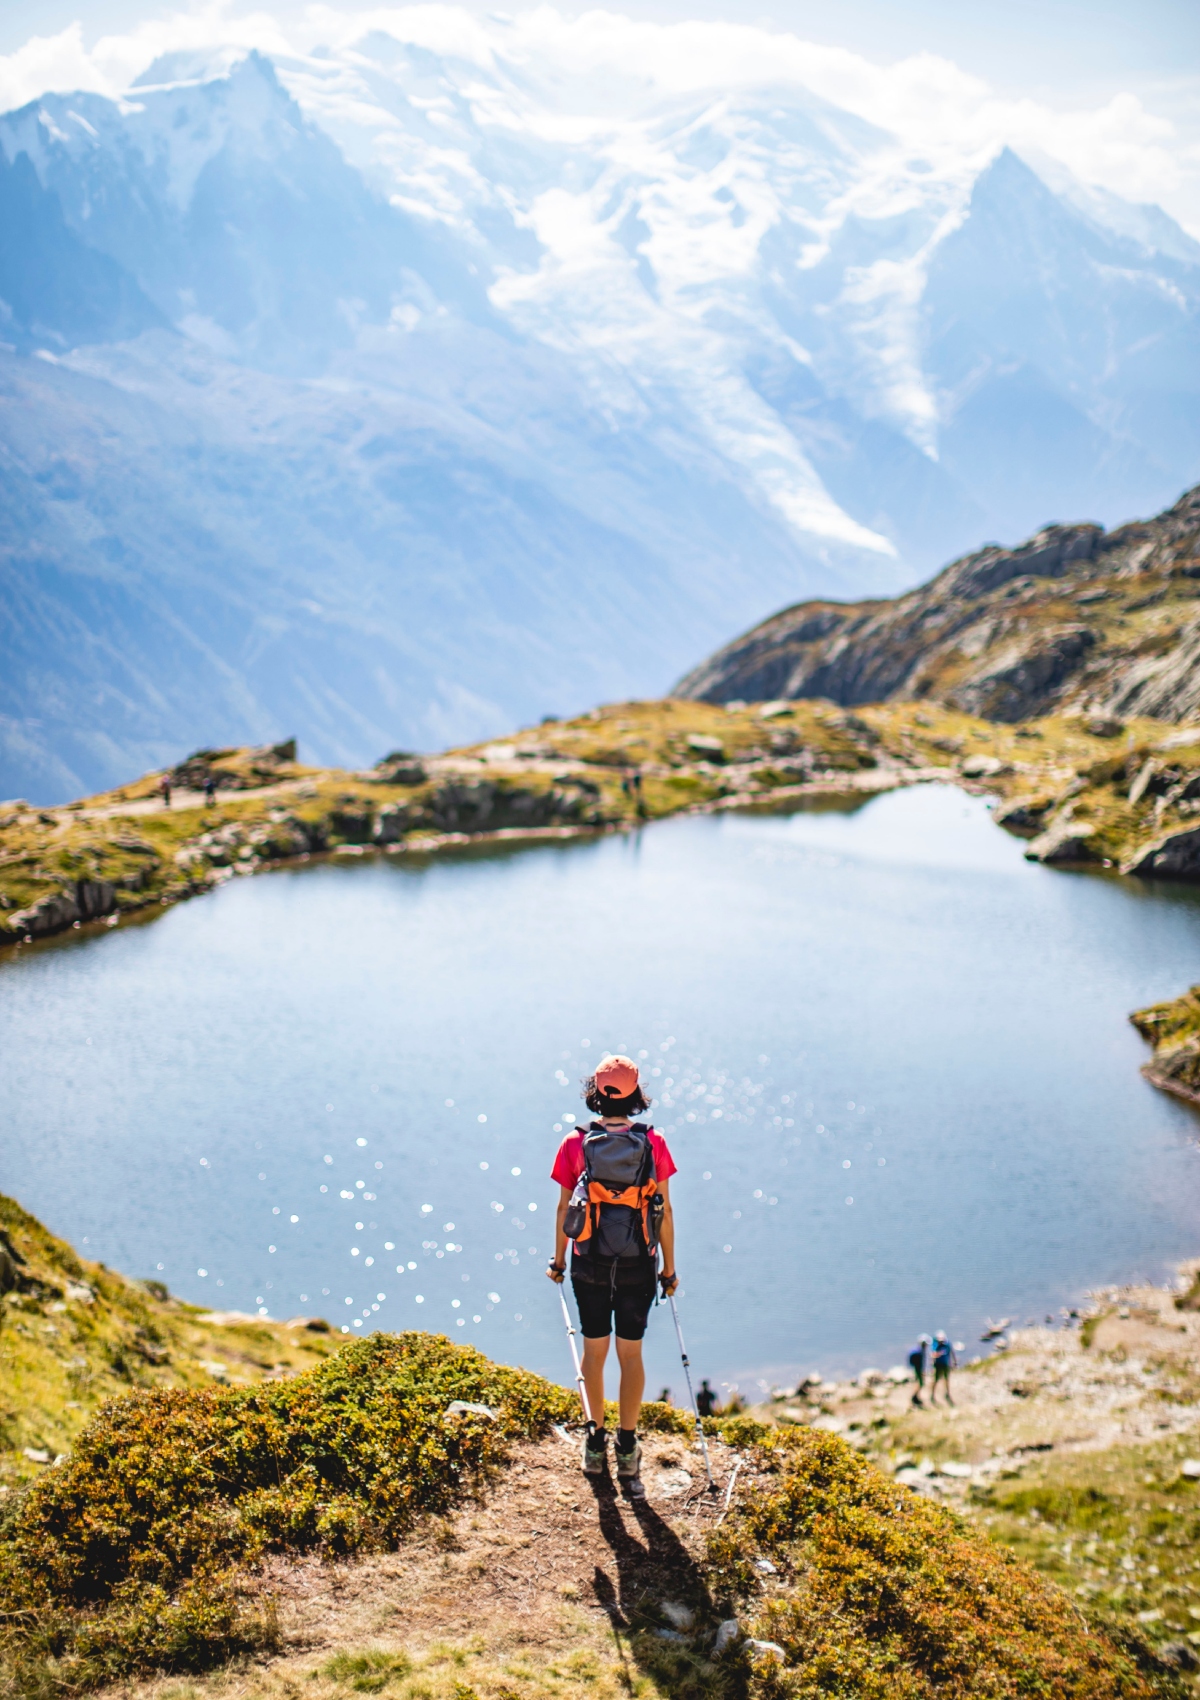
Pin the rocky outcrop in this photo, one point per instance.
(251, 769)
(1174, 857)
(1074, 617)
(1174, 1030)
(1065, 844)
(86, 900)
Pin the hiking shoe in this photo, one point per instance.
(629, 1471)
(595, 1455)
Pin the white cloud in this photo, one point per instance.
(603, 66)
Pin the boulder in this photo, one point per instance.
(1026, 816)
(393, 821)
(1175, 857)
(48, 915)
(353, 822)
(400, 773)
(11, 1263)
(712, 749)
(95, 898)
(983, 767)
(1065, 844)
(86, 900)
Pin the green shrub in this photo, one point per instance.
(887, 1596)
(127, 1556)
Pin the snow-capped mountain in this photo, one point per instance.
(391, 395)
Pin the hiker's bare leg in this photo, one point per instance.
(594, 1354)
(633, 1380)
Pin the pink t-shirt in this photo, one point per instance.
(568, 1165)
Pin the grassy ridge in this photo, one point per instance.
(128, 1555)
(135, 1553)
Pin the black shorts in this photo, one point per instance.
(627, 1302)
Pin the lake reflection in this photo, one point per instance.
(892, 1059)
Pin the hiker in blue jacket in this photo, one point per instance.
(944, 1360)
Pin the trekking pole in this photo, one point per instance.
(583, 1398)
(687, 1372)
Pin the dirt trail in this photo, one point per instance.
(532, 1592)
(547, 1534)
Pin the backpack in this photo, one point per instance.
(616, 1207)
(916, 1360)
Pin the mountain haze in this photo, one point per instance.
(390, 396)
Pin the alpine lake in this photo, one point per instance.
(891, 1058)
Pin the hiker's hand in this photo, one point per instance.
(556, 1272)
(668, 1283)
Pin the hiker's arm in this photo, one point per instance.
(666, 1232)
(560, 1237)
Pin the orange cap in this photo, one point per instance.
(616, 1077)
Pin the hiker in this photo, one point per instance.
(944, 1360)
(614, 1204)
(918, 1362)
(706, 1399)
(164, 786)
(210, 791)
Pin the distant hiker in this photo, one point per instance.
(614, 1205)
(210, 791)
(164, 786)
(706, 1399)
(918, 1362)
(638, 804)
(664, 1397)
(944, 1360)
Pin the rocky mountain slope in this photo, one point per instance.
(1076, 617)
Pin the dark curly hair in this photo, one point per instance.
(599, 1105)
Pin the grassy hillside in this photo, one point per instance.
(165, 1538)
(74, 1334)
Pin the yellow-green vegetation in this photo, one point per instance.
(142, 1549)
(137, 1553)
(129, 1554)
(1119, 1529)
(879, 1594)
(73, 1334)
(1174, 1030)
(579, 1665)
(1087, 789)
